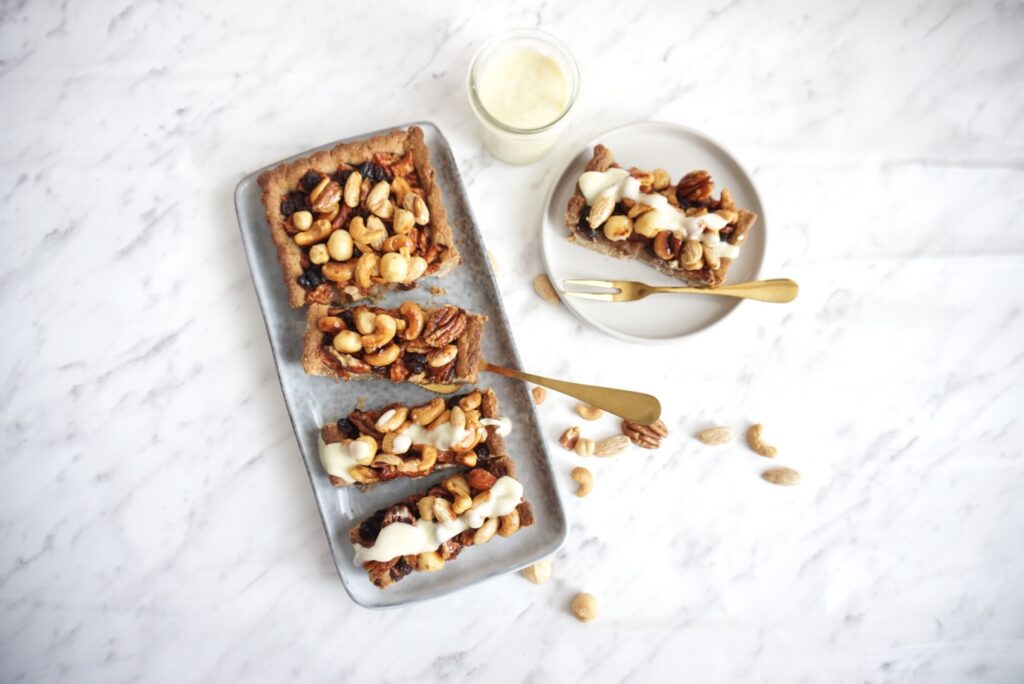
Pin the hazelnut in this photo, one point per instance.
(618, 228)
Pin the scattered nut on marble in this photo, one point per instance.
(715, 436)
(585, 479)
(588, 412)
(785, 477)
(585, 446)
(611, 446)
(585, 607)
(543, 287)
(755, 440)
(539, 395)
(569, 438)
(539, 572)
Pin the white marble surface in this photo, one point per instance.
(156, 522)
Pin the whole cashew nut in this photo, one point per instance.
(385, 357)
(383, 332)
(414, 320)
(367, 267)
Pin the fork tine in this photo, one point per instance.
(600, 296)
(592, 283)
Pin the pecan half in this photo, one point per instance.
(444, 326)
(695, 186)
(646, 436)
(398, 513)
(365, 423)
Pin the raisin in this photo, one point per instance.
(293, 202)
(453, 401)
(369, 530)
(309, 181)
(401, 569)
(416, 363)
(348, 318)
(382, 370)
(356, 252)
(374, 173)
(482, 450)
(583, 228)
(348, 429)
(312, 277)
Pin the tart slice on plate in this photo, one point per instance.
(408, 344)
(426, 531)
(680, 229)
(399, 441)
(359, 219)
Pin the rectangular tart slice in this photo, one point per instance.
(425, 531)
(680, 229)
(358, 219)
(408, 344)
(396, 440)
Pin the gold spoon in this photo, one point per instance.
(633, 406)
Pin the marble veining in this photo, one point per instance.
(156, 522)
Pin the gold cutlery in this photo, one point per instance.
(634, 406)
(778, 290)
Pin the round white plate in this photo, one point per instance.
(660, 317)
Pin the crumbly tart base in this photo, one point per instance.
(363, 423)
(320, 358)
(383, 574)
(276, 183)
(639, 249)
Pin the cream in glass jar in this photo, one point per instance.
(522, 85)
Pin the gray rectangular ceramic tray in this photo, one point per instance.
(313, 401)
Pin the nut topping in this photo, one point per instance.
(755, 440)
(695, 186)
(444, 326)
(715, 436)
(611, 446)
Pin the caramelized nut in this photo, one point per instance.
(471, 401)
(661, 179)
(711, 259)
(339, 245)
(509, 524)
(443, 511)
(302, 220)
(661, 245)
(347, 342)
(391, 420)
(480, 479)
(429, 561)
(428, 413)
(385, 357)
(425, 506)
(394, 267)
(618, 228)
(338, 273)
(352, 188)
(367, 267)
(318, 254)
(366, 320)
(330, 324)
(692, 255)
(417, 267)
(404, 221)
(486, 531)
(327, 198)
(443, 356)
(414, 320)
(320, 231)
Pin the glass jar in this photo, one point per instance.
(509, 66)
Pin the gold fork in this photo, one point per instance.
(635, 406)
(778, 290)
